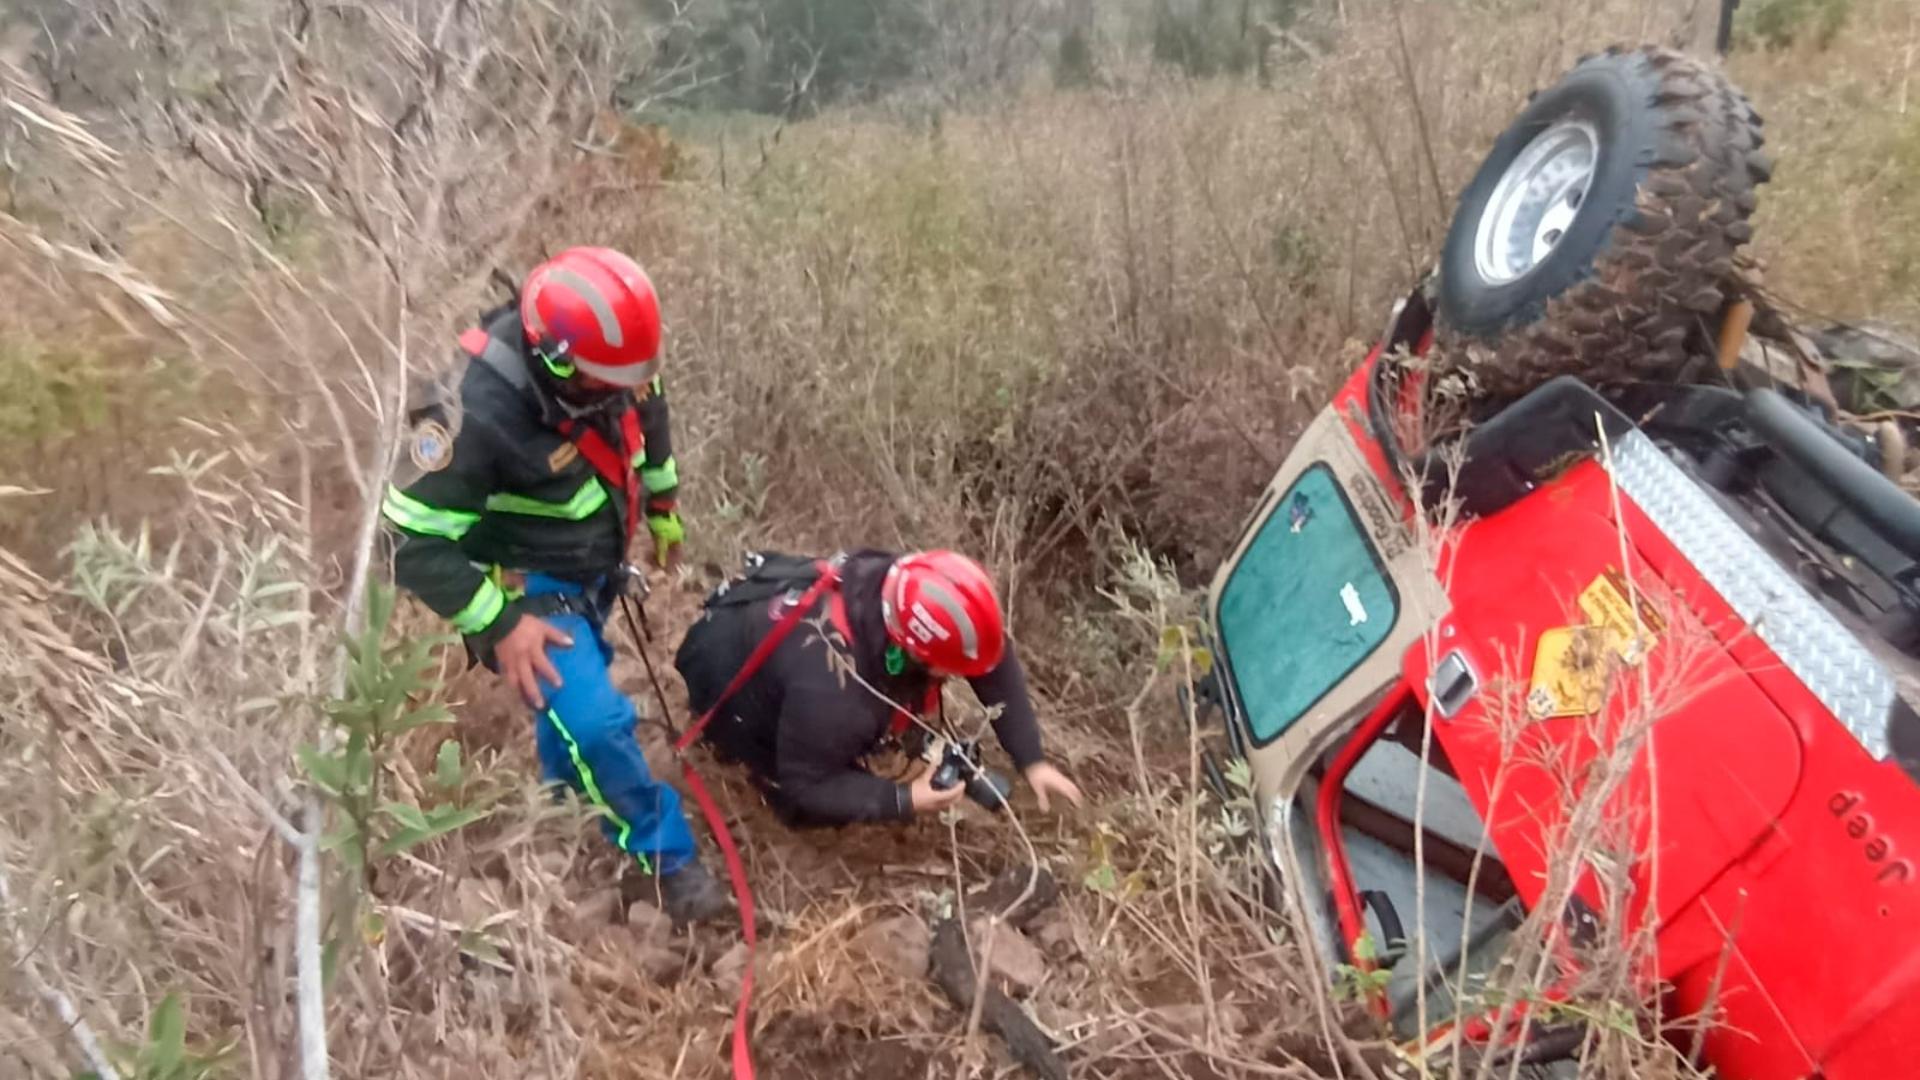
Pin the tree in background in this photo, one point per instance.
(791, 57)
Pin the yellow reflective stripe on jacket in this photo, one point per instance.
(415, 516)
(487, 604)
(662, 477)
(588, 499)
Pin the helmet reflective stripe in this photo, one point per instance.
(596, 300)
(594, 309)
(940, 607)
(629, 375)
(969, 637)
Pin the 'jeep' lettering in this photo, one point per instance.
(1846, 808)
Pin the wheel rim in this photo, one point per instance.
(1535, 202)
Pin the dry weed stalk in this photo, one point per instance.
(378, 162)
(1601, 828)
(1190, 898)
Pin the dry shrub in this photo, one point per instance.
(1839, 222)
(318, 190)
(1010, 324)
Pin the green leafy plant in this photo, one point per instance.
(166, 1053)
(1174, 640)
(390, 692)
(1778, 24)
(1351, 982)
(1104, 877)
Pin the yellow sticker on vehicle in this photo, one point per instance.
(1604, 603)
(1571, 663)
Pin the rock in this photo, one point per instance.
(1092, 1034)
(648, 923)
(732, 964)
(1015, 960)
(659, 963)
(1000, 894)
(952, 971)
(596, 909)
(1053, 931)
(554, 864)
(1191, 1020)
(616, 951)
(899, 945)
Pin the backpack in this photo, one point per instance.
(764, 575)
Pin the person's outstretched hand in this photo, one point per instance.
(1047, 781)
(926, 800)
(522, 656)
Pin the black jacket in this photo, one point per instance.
(510, 491)
(801, 729)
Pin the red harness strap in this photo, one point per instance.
(829, 580)
(617, 469)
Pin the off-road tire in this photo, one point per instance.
(1637, 282)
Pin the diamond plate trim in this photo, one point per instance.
(1820, 652)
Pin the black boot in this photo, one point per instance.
(691, 895)
(688, 895)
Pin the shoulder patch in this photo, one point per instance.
(431, 445)
(562, 456)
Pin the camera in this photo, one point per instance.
(957, 761)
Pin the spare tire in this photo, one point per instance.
(1598, 237)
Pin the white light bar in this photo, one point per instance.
(1806, 637)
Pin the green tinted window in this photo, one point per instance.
(1307, 603)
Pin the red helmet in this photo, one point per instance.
(593, 309)
(939, 606)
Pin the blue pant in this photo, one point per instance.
(585, 737)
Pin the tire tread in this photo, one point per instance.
(1669, 264)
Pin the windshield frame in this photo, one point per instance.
(1250, 539)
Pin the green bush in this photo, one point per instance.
(1074, 66)
(45, 394)
(1777, 24)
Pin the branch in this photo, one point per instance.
(306, 942)
(55, 998)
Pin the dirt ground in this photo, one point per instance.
(647, 1002)
(658, 1004)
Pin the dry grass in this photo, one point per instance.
(1071, 332)
(1839, 222)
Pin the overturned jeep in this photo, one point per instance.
(1577, 631)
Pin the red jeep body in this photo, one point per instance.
(1775, 831)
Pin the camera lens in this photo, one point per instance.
(989, 789)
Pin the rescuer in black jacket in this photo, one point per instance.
(801, 724)
(515, 527)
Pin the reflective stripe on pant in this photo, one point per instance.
(586, 740)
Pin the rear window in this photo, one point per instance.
(1305, 605)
